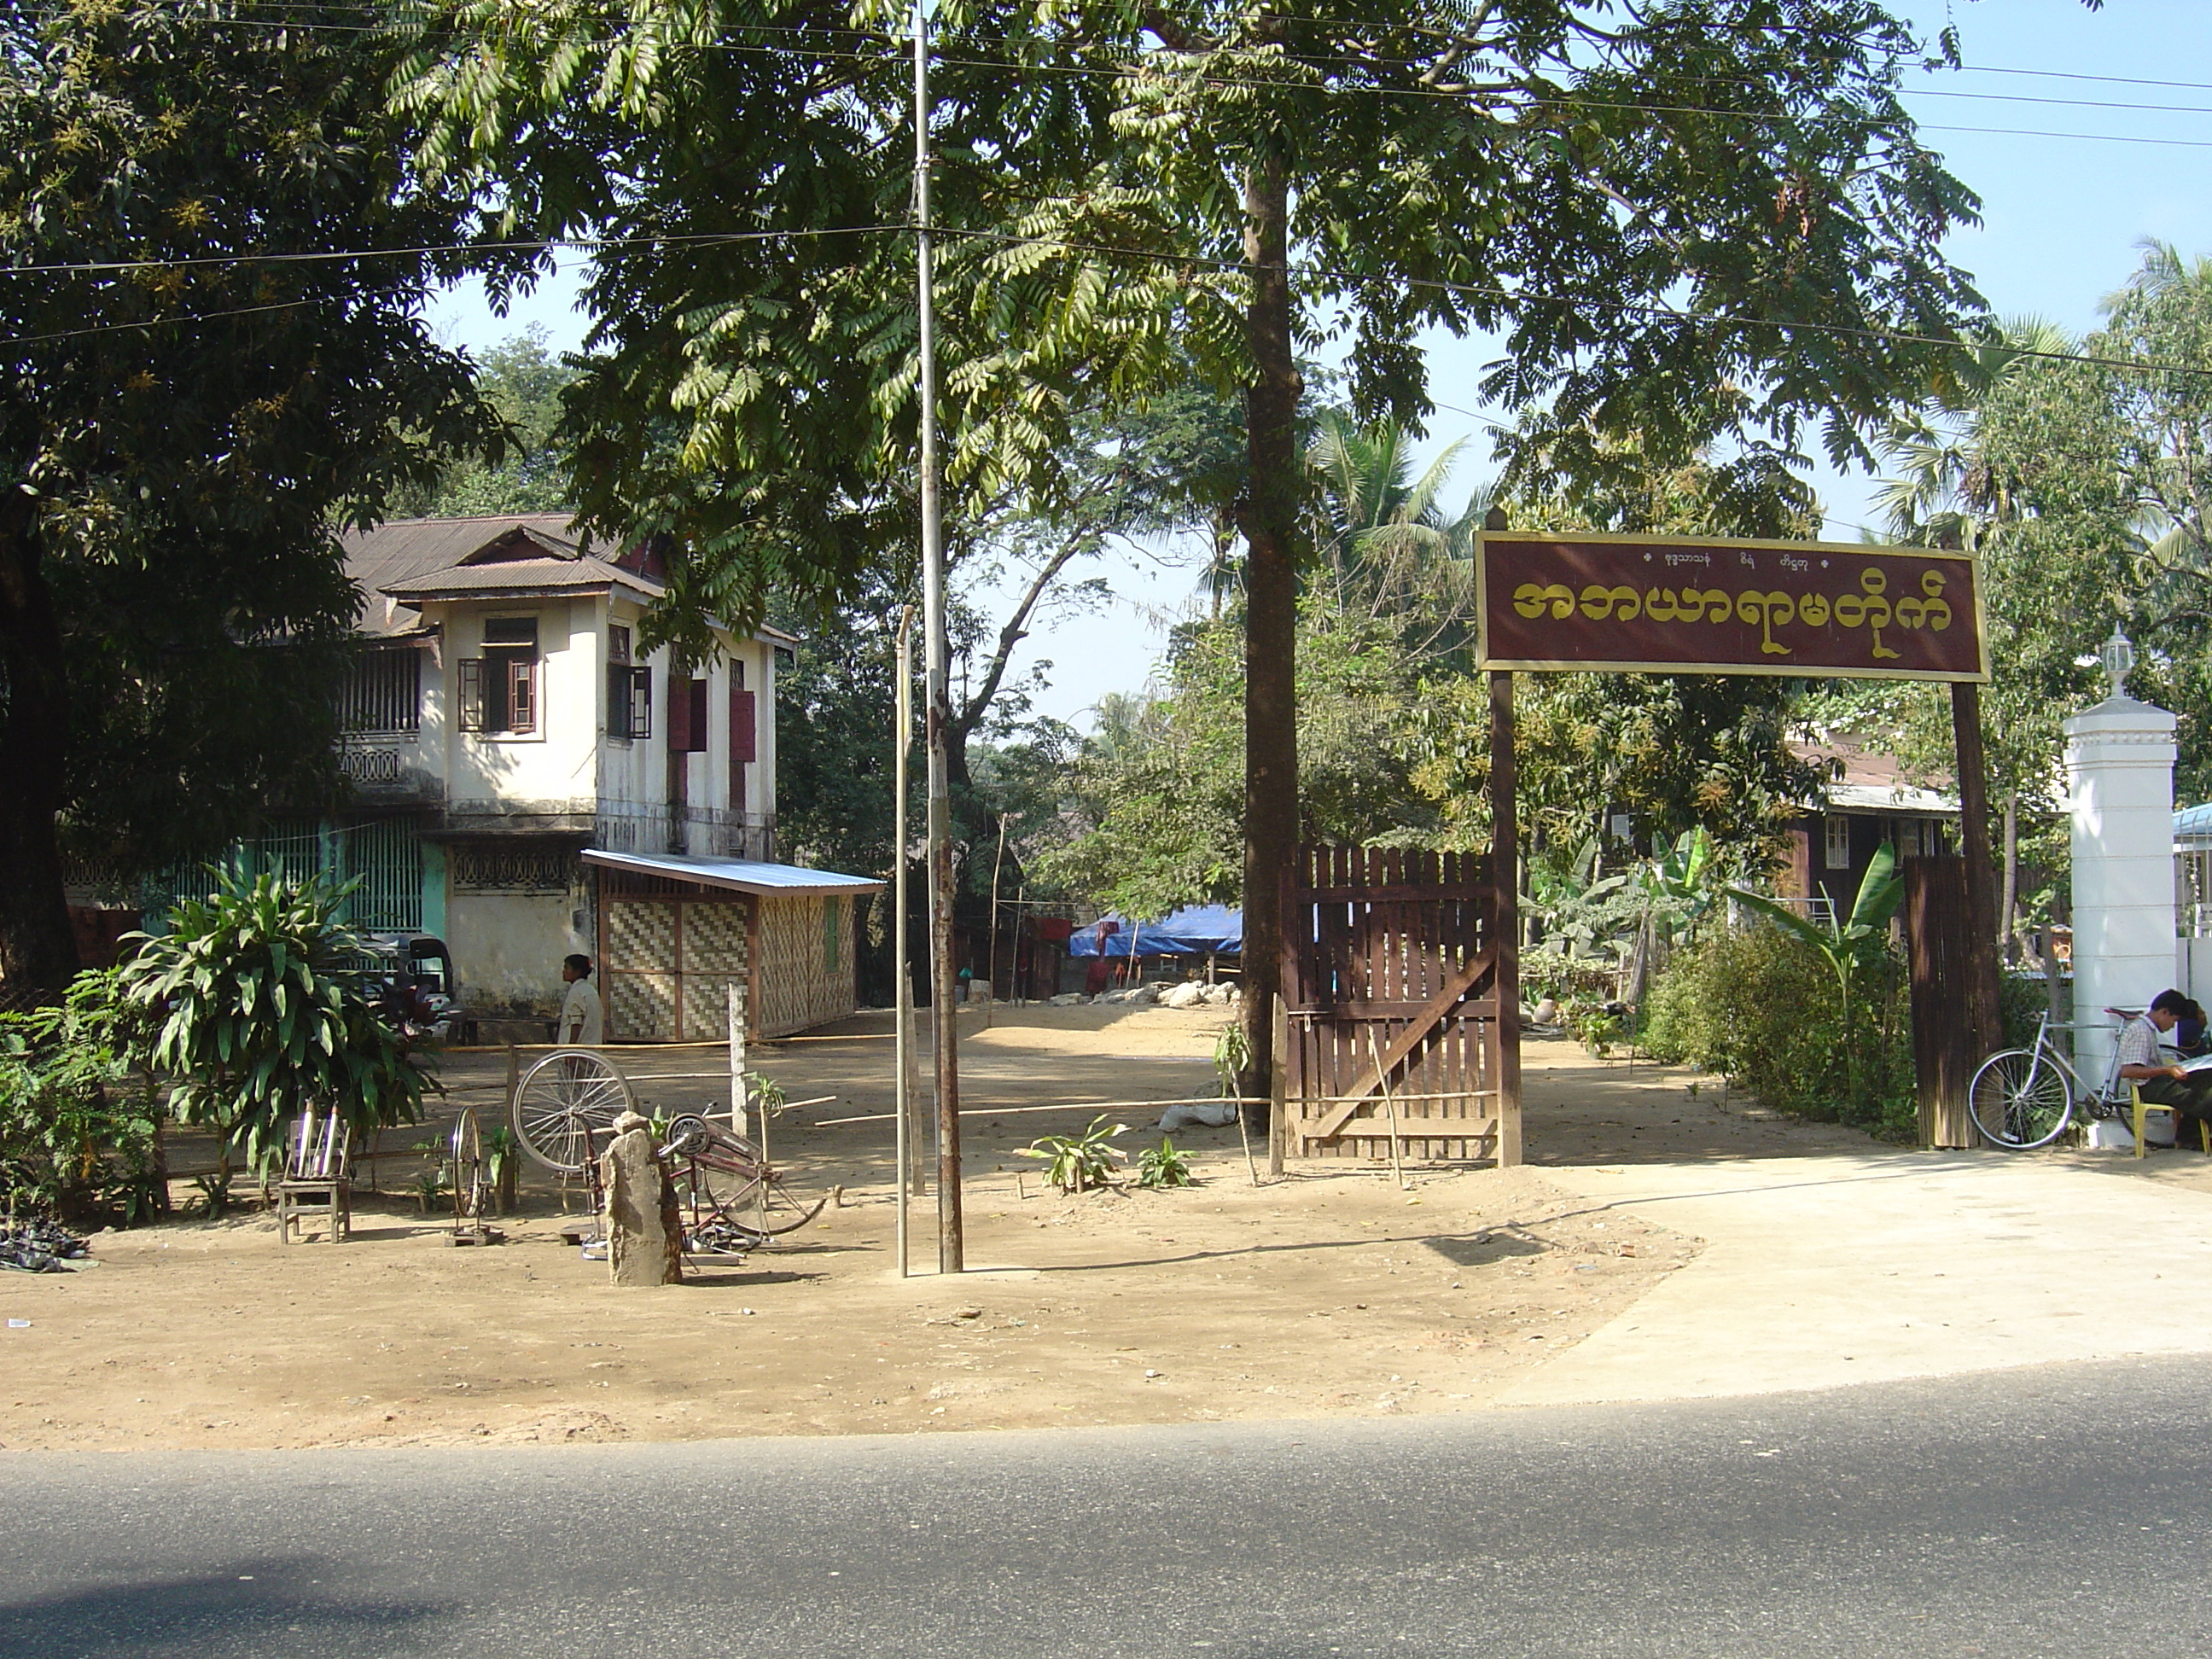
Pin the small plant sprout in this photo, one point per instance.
(1232, 1053)
(1073, 1163)
(1163, 1166)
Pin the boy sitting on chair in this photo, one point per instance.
(2185, 1092)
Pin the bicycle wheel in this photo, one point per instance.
(2021, 1099)
(465, 1149)
(566, 1106)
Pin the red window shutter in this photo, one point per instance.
(744, 743)
(472, 694)
(697, 728)
(521, 695)
(679, 718)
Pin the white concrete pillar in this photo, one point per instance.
(2119, 772)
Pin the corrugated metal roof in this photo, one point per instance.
(2192, 828)
(741, 875)
(1890, 798)
(522, 576)
(404, 548)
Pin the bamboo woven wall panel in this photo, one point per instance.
(799, 987)
(1375, 939)
(669, 963)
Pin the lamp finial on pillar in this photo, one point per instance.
(2117, 656)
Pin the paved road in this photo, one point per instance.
(2059, 1510)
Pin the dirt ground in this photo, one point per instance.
(1330, 1292)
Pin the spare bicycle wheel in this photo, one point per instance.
(565, 1108)
(2020, 1100)
(465, 1149)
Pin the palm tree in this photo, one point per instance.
(1386, 543)
(1945, 491)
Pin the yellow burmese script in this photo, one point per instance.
(1870, 608)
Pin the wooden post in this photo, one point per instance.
(734, 1006)
(1983, 1003)
(1943, 1052)
(1278, 1090)
(1505, 915)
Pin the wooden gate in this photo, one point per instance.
(1389, 976)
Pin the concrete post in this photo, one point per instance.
(2119, 772)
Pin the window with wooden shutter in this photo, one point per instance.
(698, 693)
(744, 743)
(522, 695)
(679, 717)
(629, 700)
(472, 694)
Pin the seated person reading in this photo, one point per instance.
(2163, 1084)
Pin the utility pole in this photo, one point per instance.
(944, 1012)
(902, 978)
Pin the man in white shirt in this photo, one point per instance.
(581, 1019)
(2162, 1082)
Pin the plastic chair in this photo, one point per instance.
(2138, 1106)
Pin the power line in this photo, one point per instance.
(547, 245)
(151, 322)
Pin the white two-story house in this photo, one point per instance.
(530, 780)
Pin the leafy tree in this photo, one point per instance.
(1695, 220)
(523, 381)
(260, 1016)
(186, 423)
(2071, 481)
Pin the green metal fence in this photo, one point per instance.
(385, 854)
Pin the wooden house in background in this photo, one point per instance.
(1865, 803)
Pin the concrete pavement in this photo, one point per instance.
(1858, 1268)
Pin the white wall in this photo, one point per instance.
(2119, 769)
(508, 949)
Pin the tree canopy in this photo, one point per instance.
(193, 409)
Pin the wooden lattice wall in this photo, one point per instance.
(1387, 957)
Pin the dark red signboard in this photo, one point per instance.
(1676, 605)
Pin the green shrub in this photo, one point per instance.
(79, 1128)
(261, 1013)
(1762, 1008)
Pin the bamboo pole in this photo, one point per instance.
(1390, 1107)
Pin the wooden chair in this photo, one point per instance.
(318, 1182)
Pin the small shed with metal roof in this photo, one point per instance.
(677, 930)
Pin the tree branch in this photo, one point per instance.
(1015, 631)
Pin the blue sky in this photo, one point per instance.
(2068, 178)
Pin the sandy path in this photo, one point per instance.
(1333, 1292)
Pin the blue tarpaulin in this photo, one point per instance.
(1192, 931)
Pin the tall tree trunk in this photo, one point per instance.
(38, 952)
(1271, 528)
(2008, 896)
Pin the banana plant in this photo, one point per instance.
(1849, 948)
